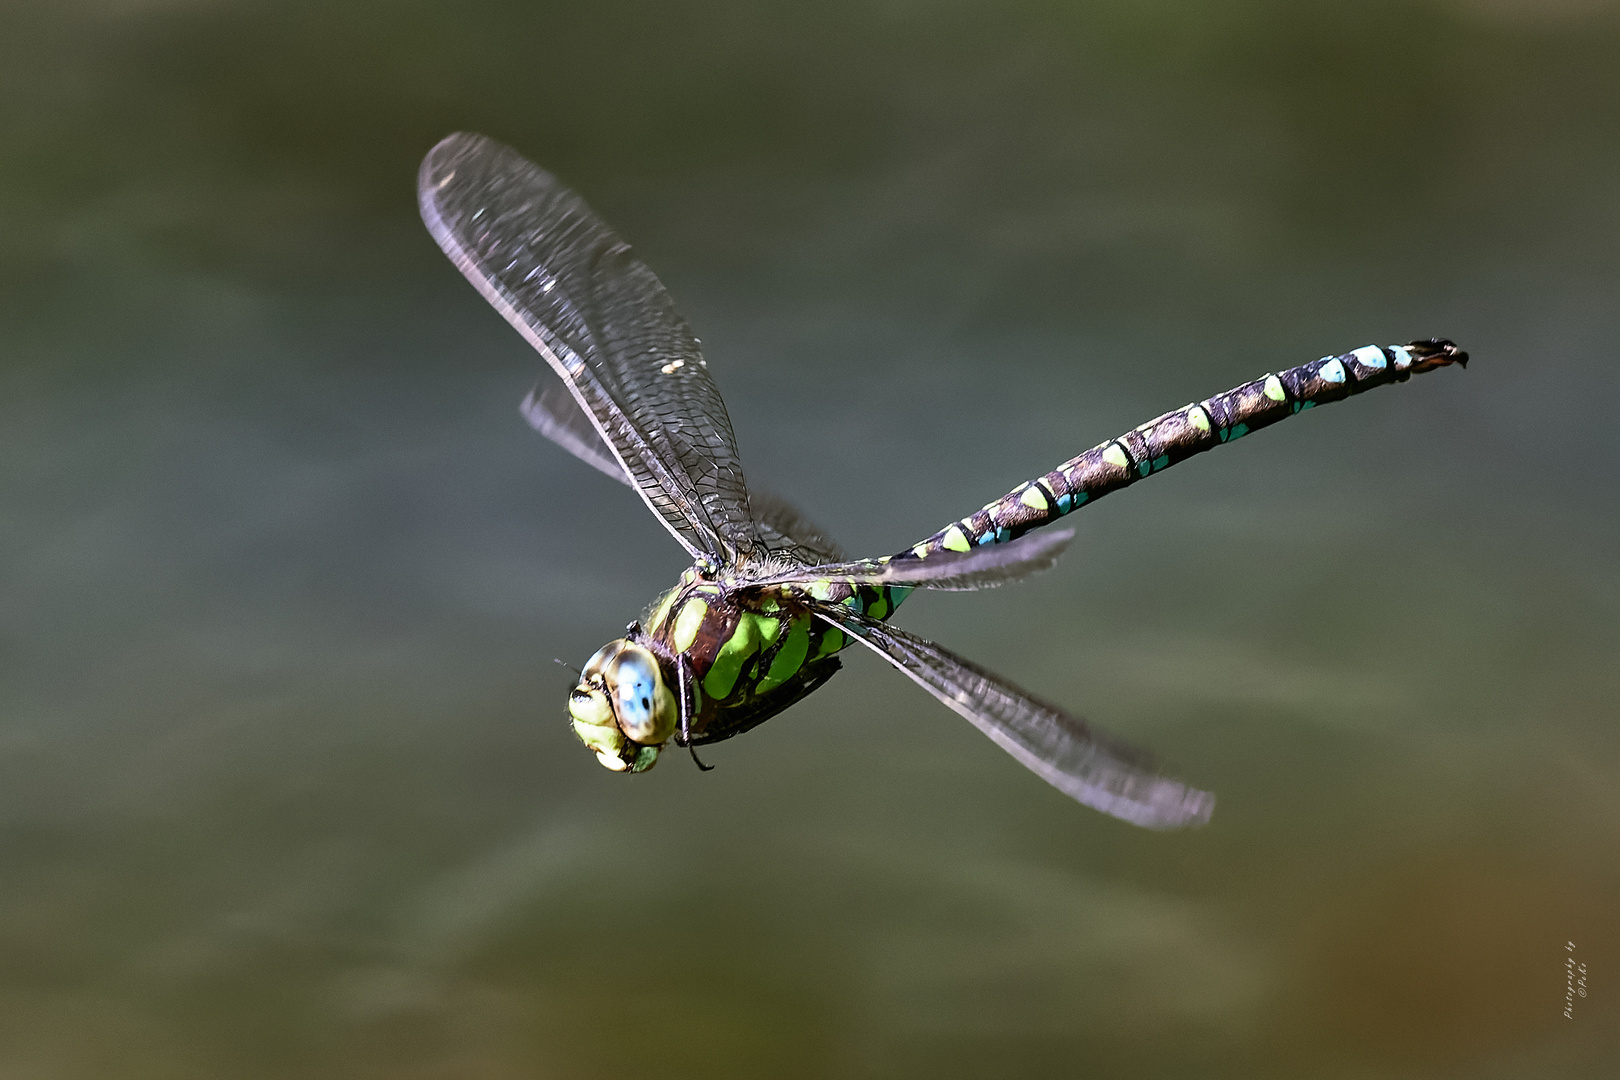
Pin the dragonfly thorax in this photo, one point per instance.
(623, 708)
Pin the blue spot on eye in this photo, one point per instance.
(634, 691)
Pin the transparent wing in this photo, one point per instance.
(604, 323)
(955, 571)
(784, 530)
(779, 526)
(553, 412)
(1061, 749)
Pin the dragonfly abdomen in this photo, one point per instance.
(1178, 435)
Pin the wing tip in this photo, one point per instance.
(1187, 808)
(451, 146)
(437, 169)
(1167, 807)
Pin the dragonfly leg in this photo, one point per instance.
(684, 675)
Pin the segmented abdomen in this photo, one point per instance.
(1178, 435)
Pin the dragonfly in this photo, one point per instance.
(759, 619)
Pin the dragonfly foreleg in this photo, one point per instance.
(683, 675)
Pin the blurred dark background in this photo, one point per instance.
(285, 789)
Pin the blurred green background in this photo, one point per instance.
(285, 789)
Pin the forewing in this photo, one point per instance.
(954, 571)
(604, 323)
(553, 412)
(1060, 748)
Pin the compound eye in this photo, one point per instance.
(643, 704)
(601, 658)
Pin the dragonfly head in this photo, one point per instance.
(622, 707)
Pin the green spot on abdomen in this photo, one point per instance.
(1274, 389)
(1115, 456)
(879, 608)
(956, 539)
(1034, 498)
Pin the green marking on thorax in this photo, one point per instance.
(790, 657)
(687, 623)
(831, 642)
(661, 612)
(753, 633)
